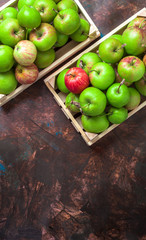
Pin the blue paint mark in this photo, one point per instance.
(57, 133)
(2, 170)
(101, 35)
(48, 124)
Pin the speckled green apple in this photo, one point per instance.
(72, 101)
(44, 37)
(8, 12)
(11, 32)
(47, 9)
(8, 82)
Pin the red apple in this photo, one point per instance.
(25, 52)
(26, 75)
(76, 80)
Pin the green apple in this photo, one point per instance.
(8, 12)
(62, 39)
(82, 33)
(118, 95)
(72, 101)
(137, 22)
(95, 124)
(131, 68)
(8, 82)
(67, 21)
(134, 100)
(60, 81)
(102, 75)
(119, 79)
(134, 39)
(29, 17)
(21, 3)
(43, 37)
(118, 37)
(66, 4)
(11, 32)
(92, 101)
(111, 50)
(6, 58)
(87, 60)
(141, 86)
(45, 59)
(46, 9)
(117, 115)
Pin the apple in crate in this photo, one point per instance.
(6, 58)
(46, 9)
(67, 21)
(44, 37)
(11, 32)
(8, 12)
(26, 75)
(21, 3)
(66, 4)
(76, 80)
(25, 52)
(131, 68)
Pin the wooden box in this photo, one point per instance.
(62, 54)
(89, 138)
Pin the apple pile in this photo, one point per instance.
(30, 35)
(106, 84)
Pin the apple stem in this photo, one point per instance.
(81, 65)
(132, 61)
(140, 26)
(27, 33)
(121, 83)
(57, 12)
(123, 45)
(70, 75)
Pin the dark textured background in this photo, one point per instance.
(52, 185)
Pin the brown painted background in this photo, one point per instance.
(52, 185)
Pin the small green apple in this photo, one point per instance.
(6, 58)
(45, 59)
(81, 34)
(141, 86)
(67, 21)
(118, 95)
(87, 60)
(92, 101)
(134, 100)
(60, 81)
(95, 124)
(72, 101)
(118, 37)
(47, 9)
(21, 3)
(8, 82)
(62, 39)
(29, 17)
(102, 75)
(117, 115)
(8, 12)
(66, 4)
(111, 50)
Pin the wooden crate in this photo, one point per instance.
(62, 54)
(75, 119)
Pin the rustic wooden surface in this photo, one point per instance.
(52, 185)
